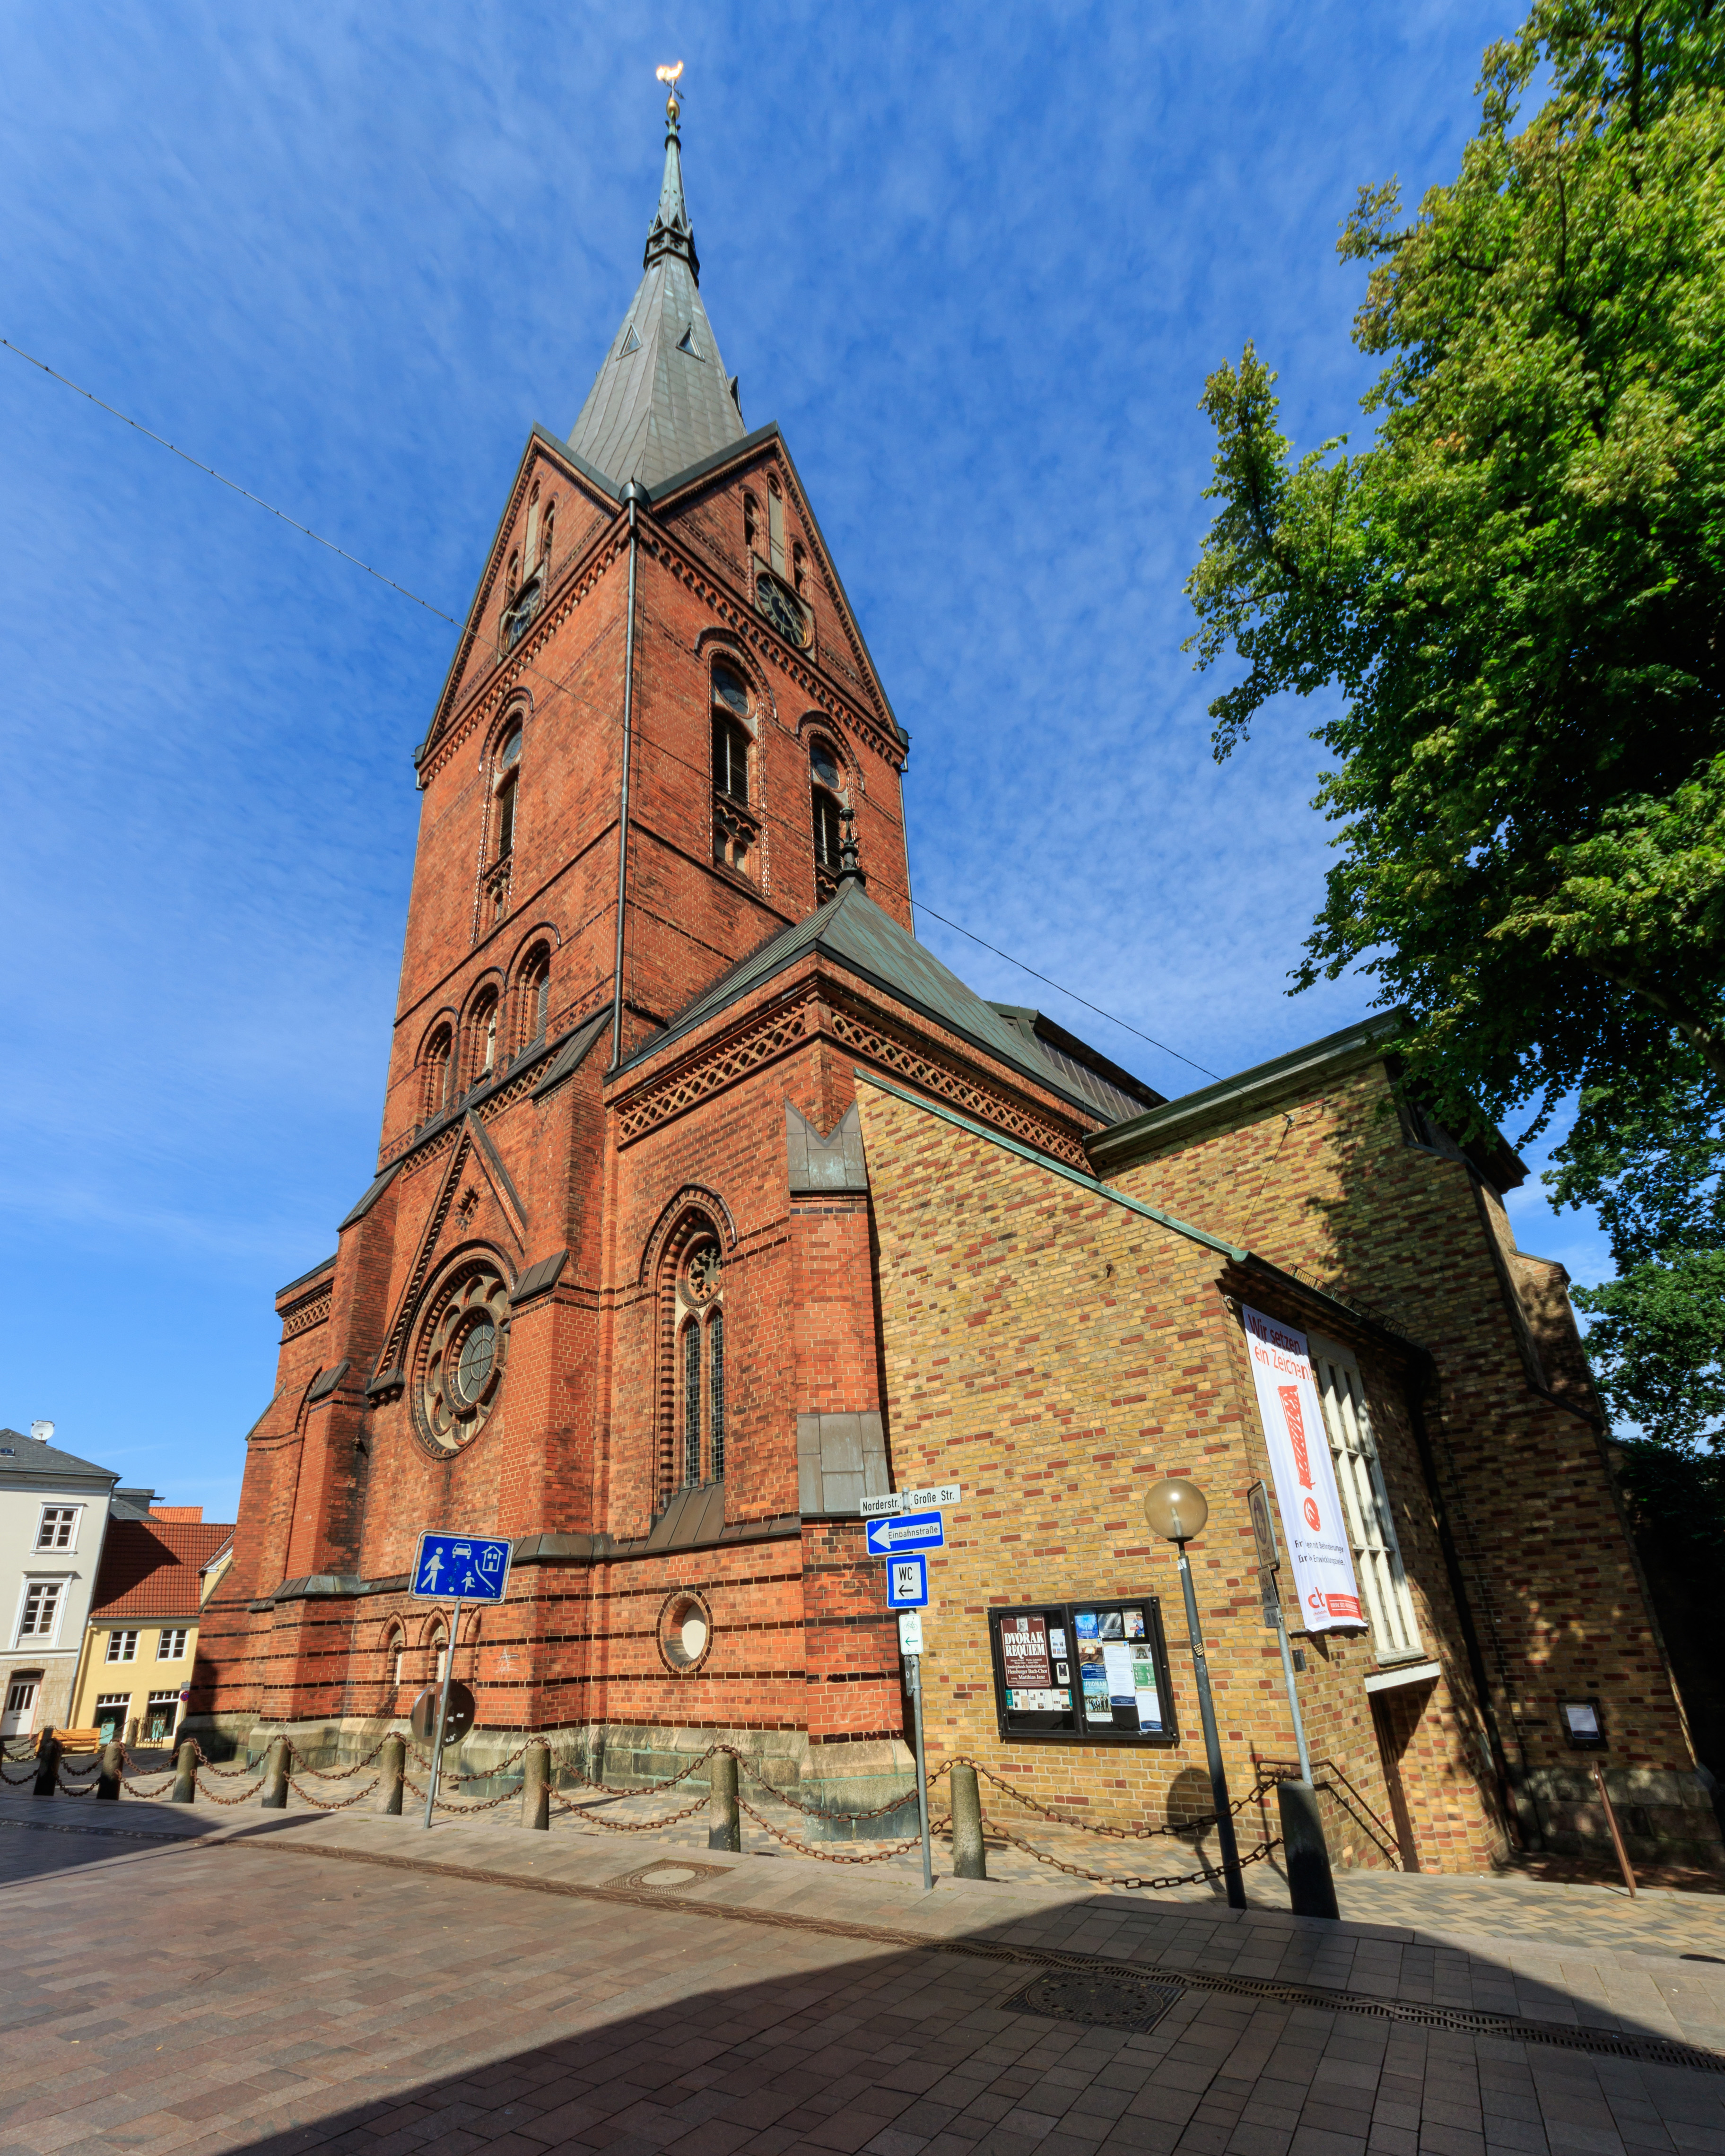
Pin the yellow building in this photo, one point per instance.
(141, 1639)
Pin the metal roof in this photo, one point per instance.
(662, 399)
(864, 938)
(24, 1455)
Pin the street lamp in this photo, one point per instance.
(1177, 1510)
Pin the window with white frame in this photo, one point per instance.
(41, 1609)
(122, 1646)
(59, 1528)
(1371, 1525)
(170, 1646)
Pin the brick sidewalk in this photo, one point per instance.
(275, 1982)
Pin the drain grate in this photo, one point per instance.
(1132, 2004)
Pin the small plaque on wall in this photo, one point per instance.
(1084, 1672)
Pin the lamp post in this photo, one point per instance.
(1177, 1510)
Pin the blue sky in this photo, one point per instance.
(976, 261)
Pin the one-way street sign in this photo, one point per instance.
(460, 1567)
(907, 1530)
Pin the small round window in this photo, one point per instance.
(824, 763)
(686, 1629)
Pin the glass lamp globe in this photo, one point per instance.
(1176, 1509)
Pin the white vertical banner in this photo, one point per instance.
(1314, 1530)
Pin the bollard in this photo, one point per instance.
(536, 1787)
(1312, 1889)
(185, 1789)
(108, 1774)
(132, 1729)
(48, 1764)
(275, 1775)
(391, 1765)
(969, 1858)
(724, 1828)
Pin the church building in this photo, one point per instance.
(711, 1205)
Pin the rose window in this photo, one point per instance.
(461, 1356)
(704, 1267)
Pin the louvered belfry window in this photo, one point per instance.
(1371, 1525)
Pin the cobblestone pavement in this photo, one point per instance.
(217, 1981)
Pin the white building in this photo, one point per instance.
(53, 1518)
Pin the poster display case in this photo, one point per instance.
(1089, 1671)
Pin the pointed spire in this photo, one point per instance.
(672, 234)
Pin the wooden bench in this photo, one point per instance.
(75, 1740)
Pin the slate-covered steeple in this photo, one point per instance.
(662, 400)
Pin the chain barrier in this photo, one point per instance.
(461, 1810)
(486, 1774)
(837, 1856)
(209, 1766)
(333, 1804)
(216, 1798)
(629, 1826)
(1132, 1881)
(73, 1789)
(1197, 1827)
(813, 1811)
(18, 1781)
(90, 1769)
(335, 1774)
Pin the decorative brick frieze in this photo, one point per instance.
(301, 1317)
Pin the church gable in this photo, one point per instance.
(555, 513)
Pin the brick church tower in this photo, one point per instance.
(709, 1204)
(611, 1291)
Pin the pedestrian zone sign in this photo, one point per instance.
(907, 1582)
(460, 1567)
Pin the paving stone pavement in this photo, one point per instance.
(240, 1980)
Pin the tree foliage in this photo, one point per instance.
(1518, 585)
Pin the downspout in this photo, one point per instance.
(634, 492)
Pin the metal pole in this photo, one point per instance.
(630, 495)
(442, 1712)
(1287, 1671)
(1213, 1750)
(916, 1689)
(1623, 1862)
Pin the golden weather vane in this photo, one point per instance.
(668, 76)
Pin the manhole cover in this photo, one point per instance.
(1100, 2002)
(663, 1878)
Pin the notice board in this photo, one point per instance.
(1089, 1671)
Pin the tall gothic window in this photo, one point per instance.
(434, 1085)
(482, 1038)
(799, 568)
(750, 523)
(825, 781)
(735, 834)
(532, 997)
(775, 528)
(695, 1331)
(505, 778)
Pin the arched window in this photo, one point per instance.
(505, 780)
(533, 997)
(482, 1038)
(548, 530)
(799, 568)
(735, 832)
(434, 1087)
(694, 1320)
(775, 528)
(395, 1657)
(750, 523)
(512, 576)
(440, 1650)
(825, 781)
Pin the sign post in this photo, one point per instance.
(1268, 1558)
(910, 1645)
(476, 1570)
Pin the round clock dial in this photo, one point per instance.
(780, 609)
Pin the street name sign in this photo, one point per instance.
(460, 1567)
(907, 1582)
(945, 1494)
(908, 1531)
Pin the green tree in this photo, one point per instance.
(1518, 585)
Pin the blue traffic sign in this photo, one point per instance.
(907, 1582)
(464, 1568)
(907, 1531)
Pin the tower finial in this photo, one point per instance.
(672, 234)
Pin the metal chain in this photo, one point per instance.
(834, 1856)
(335, 1773)
(334, 1803)
(813, 1811)
(1196, 1827)
(18, 1781)
(630, 1826)
(224, 1773)
(1102, 1879)
(70, 1788)
(462, 1810)
(90, 1769)
(216, 1798)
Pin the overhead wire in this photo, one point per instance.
(563, 688)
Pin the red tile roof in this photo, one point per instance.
(178, 1513)
(149, 1569)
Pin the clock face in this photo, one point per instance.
(780, 609)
